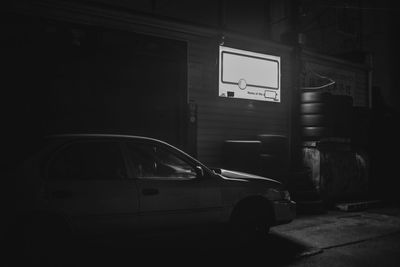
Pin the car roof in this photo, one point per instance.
(102, 135)
(117, 136)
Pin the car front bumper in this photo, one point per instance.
(285, 211)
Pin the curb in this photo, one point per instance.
(311, 252)
(359, 205)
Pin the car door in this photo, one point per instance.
(171, 192)
(87, 181)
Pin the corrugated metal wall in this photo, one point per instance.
(221, 118)
(357, 72)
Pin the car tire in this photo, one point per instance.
(312, 108)
(314, 117)
(250, 223)
(313, 120)
(314, 97)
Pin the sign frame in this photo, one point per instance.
(251, 75)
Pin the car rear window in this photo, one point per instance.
(87, 161)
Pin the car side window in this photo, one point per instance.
(155, 162)
(87, 161)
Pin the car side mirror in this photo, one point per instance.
(199, 171)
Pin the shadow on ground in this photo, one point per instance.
(170, 248)
(187, 248)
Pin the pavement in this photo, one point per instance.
(333, 238)
(336, 228)
(306, 238)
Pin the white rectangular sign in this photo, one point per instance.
(248, 75)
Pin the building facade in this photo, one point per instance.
(154, 68)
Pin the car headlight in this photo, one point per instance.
(274, 194)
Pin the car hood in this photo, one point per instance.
(243, 176)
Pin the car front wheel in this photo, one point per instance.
(250, 224)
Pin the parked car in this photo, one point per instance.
(91, 183)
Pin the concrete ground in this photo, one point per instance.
(337, 228)
(380, 251)
(335, 238)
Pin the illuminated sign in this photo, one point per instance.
(249, 75)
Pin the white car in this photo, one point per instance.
(100, 182)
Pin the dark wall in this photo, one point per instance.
(250, 17)
(62, 77)
(384, 146)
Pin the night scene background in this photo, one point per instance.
(154, 68)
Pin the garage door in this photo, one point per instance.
(68, 78)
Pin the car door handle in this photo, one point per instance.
(149, 191)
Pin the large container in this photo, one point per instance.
(274, 156)
(267, 156)
(339, 173)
